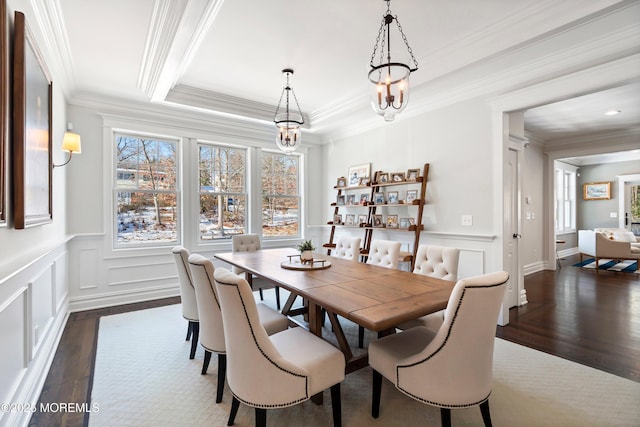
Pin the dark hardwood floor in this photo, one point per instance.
(589, 317)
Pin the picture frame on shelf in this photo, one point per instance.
(340, 200)
(364, 181)
(364, 199)
(412, 221)
(337, 219)
(358, 171)
(597, 191)
(397, 177)
(392, 198)
(351, 199)
(341, 182)
(362, 219)
(378, 198)
(392, 221)
(411, 196)
(382, 178)
(404, 223)
(377, 221)
(350, 219)
(413, 174)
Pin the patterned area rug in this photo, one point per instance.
(628, 266)
(143, 377)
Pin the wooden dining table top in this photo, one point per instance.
(374, 297)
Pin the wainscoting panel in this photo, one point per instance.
(33, 311)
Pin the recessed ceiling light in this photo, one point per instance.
(612, 112)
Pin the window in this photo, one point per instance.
(222, 191)
(565, 200)
(280, 195)
(145, 191)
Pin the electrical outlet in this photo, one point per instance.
(467, 220)
(613, 214)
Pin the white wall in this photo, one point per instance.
(532, 249)
(457, 184)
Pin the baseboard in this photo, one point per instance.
(533, 268)
(91, 302)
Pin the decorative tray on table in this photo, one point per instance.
(295, 263)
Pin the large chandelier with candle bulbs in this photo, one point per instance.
(390, 79)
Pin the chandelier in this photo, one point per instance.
(288, 122)
(390, 91)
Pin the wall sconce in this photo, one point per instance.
(70, 143)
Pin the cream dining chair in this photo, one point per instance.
(277, 371)
(188, 301)
(452, 368)
(434, 261)
(251, 243)
(385, 253)
(211, 326)
(348, 248)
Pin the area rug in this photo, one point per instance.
(627, 266)
(143, 377)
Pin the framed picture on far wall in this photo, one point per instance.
(350, 219)
(362, 219)
(357, 172)
(597, 191)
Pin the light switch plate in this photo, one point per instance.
(467, 220)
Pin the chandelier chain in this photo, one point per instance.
(406, 42)
(375, 46)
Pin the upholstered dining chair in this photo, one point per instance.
(187, 297)
(451, 368)
(277, 371)
(211, 324)
(348, 248)
(434, 261)
(384, 253)
(250, 243)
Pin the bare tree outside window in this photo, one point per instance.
(280, 195)
(222, 191)
(146, 190)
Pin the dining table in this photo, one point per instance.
(371, 296)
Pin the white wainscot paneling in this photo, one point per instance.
(88, 268)
(42, 304)
(13, 351)
(142, 272)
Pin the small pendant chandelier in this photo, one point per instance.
(288, 122)
(390, 90)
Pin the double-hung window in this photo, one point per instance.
(222, 191)
(280, 195)
(145, 191)
(565, 198)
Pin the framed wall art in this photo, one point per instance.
(597, 191)
(32, 105)
(4, 107)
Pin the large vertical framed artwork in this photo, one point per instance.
(4, 107)
(32, 105)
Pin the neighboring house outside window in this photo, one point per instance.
(145, 192)
(222, 191)
(280, 195)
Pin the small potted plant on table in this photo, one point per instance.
(306, 249)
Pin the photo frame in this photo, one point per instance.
(357, 172)
(341, 182)
(364, 199)
(350, 219)
(411, 196)
(597, 191)
(413, 174)
(392, 198)
(392, 221)
(377, 221)
(382, 177)
(378, 198)
(351, 199)
(364, 181)
(397, 177)
(340, 200)
(362, 219)
(32, 131)
(404, 223)
(4, 106)
(337, 219)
